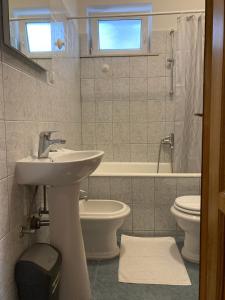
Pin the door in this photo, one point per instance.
(212, 267)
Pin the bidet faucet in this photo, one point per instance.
(45, 143)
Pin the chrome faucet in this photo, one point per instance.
(83, 195)
(45, 143)
(169, 140)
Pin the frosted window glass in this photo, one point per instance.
(120, 34)
(39, 37)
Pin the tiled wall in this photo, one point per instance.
(127, 110)
(28, 106)
(149, 198)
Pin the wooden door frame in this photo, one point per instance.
(212, 231)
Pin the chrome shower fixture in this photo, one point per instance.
(169, 140)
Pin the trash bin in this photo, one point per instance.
(37, 273)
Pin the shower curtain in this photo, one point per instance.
(189, 93)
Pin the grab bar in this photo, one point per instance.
(171, 63)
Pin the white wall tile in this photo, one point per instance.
(103, 89)
(156, 131)
(1, 94)
(103, 111)
(87, 68)
(165, 191)
(3, 169)
(88, 111)
(153, 152)
(138, 66)
(6, 265)
(17, 203)
(156, 66)
(143, 217)
(128, 222)
(20, 101)
(170, 109)
(143, 190)
(120, 67)
(138, 133)
(120, 189)
(164, 220)
(156, 88)
(139, 153)
(100, 62)
(121, 133)
(88, 133)
(99, 188)
(188, 186)
(121, 111)
(121, 152)
(108, 151)
(121, 88)
(156, 110)
(104, 133)
(15, 144)
(138, 111)
(4, 212)
(158, 42)
(138, 88)
(87, 89)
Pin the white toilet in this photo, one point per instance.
(187, 211)
(100, 220)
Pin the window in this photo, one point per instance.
(42, 36)
(39, 37)
(126, 35)
(120, 34)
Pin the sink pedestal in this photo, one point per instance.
(66, 235)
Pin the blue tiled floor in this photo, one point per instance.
(105, 285)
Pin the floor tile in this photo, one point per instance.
(105, 285)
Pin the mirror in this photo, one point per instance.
(30, 29)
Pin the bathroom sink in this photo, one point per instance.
(63, 167)
(62, 172)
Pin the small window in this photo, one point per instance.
(39, 37)
(120, 34)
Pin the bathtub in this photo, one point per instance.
(148, 193)
(137, 169)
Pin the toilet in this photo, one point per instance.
(186, 210)
(100, 220)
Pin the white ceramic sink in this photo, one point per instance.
(61, 168)
(62, 173)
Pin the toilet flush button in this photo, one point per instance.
(105, 68)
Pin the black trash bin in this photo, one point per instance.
(37, 273)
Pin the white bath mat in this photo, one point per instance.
(151, 261)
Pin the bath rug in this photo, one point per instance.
(151, 260)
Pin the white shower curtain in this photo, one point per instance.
(189, 93)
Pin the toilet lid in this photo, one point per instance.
(189, 204)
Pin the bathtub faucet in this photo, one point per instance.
(169, 140)
(83, 195)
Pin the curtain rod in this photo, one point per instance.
(120, 15)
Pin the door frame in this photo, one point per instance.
(212, 266)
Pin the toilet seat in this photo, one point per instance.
(188, 204)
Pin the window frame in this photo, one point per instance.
(94, 38)
(24, 43)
